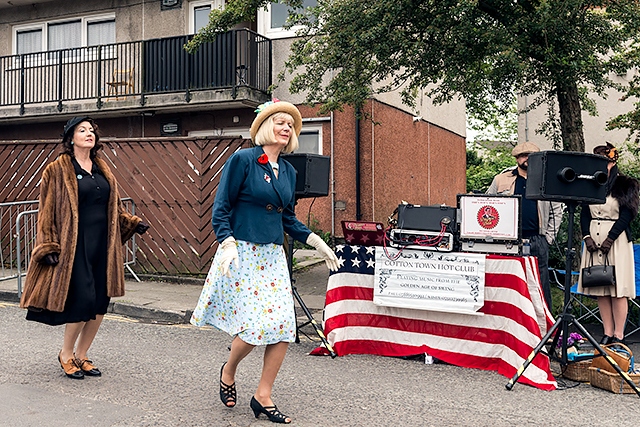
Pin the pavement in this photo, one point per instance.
(162, 299)
(171, 300)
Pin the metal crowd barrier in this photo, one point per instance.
(29, 229)
(9, 212)
(22, 242)
(130, 247)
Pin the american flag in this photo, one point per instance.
(513, 322)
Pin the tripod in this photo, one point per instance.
(567, 318)
(298, 298)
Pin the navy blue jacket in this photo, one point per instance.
(252, 205)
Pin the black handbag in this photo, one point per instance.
(599, 275)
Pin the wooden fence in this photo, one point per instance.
(171, 180)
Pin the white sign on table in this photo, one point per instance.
(427, 280)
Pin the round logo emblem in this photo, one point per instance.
(488, 217)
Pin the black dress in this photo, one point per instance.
(87, 295)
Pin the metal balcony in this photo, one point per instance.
(235, 68)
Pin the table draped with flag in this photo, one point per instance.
(514, 319)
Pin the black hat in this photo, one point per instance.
(72, 123)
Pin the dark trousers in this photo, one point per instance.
(540, 249)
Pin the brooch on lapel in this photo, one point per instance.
(263, 159)
(267, 178)
(79, 176)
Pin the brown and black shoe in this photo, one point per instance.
(87, 368)
(71, 369)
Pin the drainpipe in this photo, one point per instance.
(333, 185)
(373, 160)
(358, 207)
(429, 162)
(526, 119)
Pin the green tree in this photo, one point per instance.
(484, 167)
(490, 125)
(631, 119)
(555, 52)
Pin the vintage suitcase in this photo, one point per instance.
(427, 218)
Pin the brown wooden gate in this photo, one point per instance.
(171, 180)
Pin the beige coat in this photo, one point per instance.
(47, 286)
(620, 255)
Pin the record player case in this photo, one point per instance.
(490, 223)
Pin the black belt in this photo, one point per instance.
(604, 219)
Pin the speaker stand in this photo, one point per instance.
(567, 318)
(306, 311)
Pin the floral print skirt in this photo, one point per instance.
(256, 302)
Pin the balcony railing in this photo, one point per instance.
(237, 58)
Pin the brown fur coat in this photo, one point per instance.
(46, 286)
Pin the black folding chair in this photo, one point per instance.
(580, 309)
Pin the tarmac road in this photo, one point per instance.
(165, 373)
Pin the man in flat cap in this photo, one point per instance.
(540, 219)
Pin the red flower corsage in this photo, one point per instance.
(263, 159)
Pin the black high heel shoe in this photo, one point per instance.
(227, 392)
(606, 339)
(615, 340)
(271, 412)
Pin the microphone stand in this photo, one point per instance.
(306, 311)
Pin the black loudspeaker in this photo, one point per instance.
(313, 174)
(564, 176)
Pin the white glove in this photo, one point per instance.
(324, 250)
(229, 253)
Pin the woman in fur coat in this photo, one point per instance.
(607, 233)
(77, 263)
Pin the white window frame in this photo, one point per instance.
(264, 26)
(315, 128)
(243, 132)
(246, 133)
(43, 27)
(215, 4)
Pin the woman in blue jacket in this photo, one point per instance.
(247, 292)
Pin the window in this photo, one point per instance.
(101, 32)
(201, 17)
(310, 140)
(47, 36)
(199, 13)
(273, 18)
(28, 41)
(65, 35)
(243, 132)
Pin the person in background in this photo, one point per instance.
(607, 234)
(540, 219)
(247, 292)
(77, 263)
